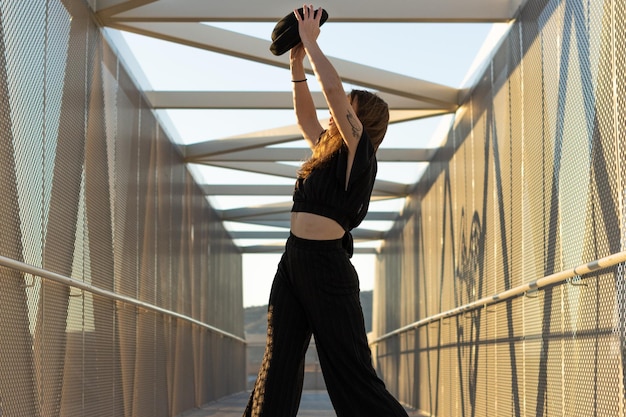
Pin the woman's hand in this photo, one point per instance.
(309, 23)
(297, 54)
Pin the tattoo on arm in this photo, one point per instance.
(356, 131)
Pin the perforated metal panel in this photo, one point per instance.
(535, 185)
(92, 189)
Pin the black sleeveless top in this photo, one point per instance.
(324, 191)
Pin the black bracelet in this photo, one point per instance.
(298, 81)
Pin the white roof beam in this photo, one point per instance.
(299, 154)
(266, 168)
(269, 137)
(254, 49)
(280, 247)
(289, 171)
(285, 223)
(255, 211)
(261, 190)
(345, 11)
(360, 234)
(246, 189)
(240, 143)
(260, 100)
(107, 8)
(244, 214)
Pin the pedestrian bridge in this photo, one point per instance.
(499, 288)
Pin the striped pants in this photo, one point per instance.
(316, 291)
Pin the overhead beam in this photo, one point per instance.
(243, 214)
(289, 171)
(266, 168)
(274, 211)
(108, 8)
(241, 143)
(271, 100)
(254, 49)
(261, 190)
(256, 211)
(299, 154)
(260, 139)
(280, 248)
(285, 224)
(246, 189)
(283, 220)
(391, 188)
(345, 11)
(357, 234)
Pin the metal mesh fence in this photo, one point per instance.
(92, 189)
(535, 186)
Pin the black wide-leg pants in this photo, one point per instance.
(316, 291)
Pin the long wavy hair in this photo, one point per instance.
(372, 111)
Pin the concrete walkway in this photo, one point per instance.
(313, 404)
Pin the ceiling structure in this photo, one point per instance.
(259, 220)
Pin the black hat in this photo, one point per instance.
(285, 34)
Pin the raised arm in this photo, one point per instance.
(303, 105)
(340, 107)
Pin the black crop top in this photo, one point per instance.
(324, 191)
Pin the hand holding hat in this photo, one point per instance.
(286, 35)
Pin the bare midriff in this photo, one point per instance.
(315, 227)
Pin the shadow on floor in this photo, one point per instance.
(313, 404)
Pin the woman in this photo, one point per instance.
(316, 288)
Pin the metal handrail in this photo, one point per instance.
(60, 279)
(602, 263)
